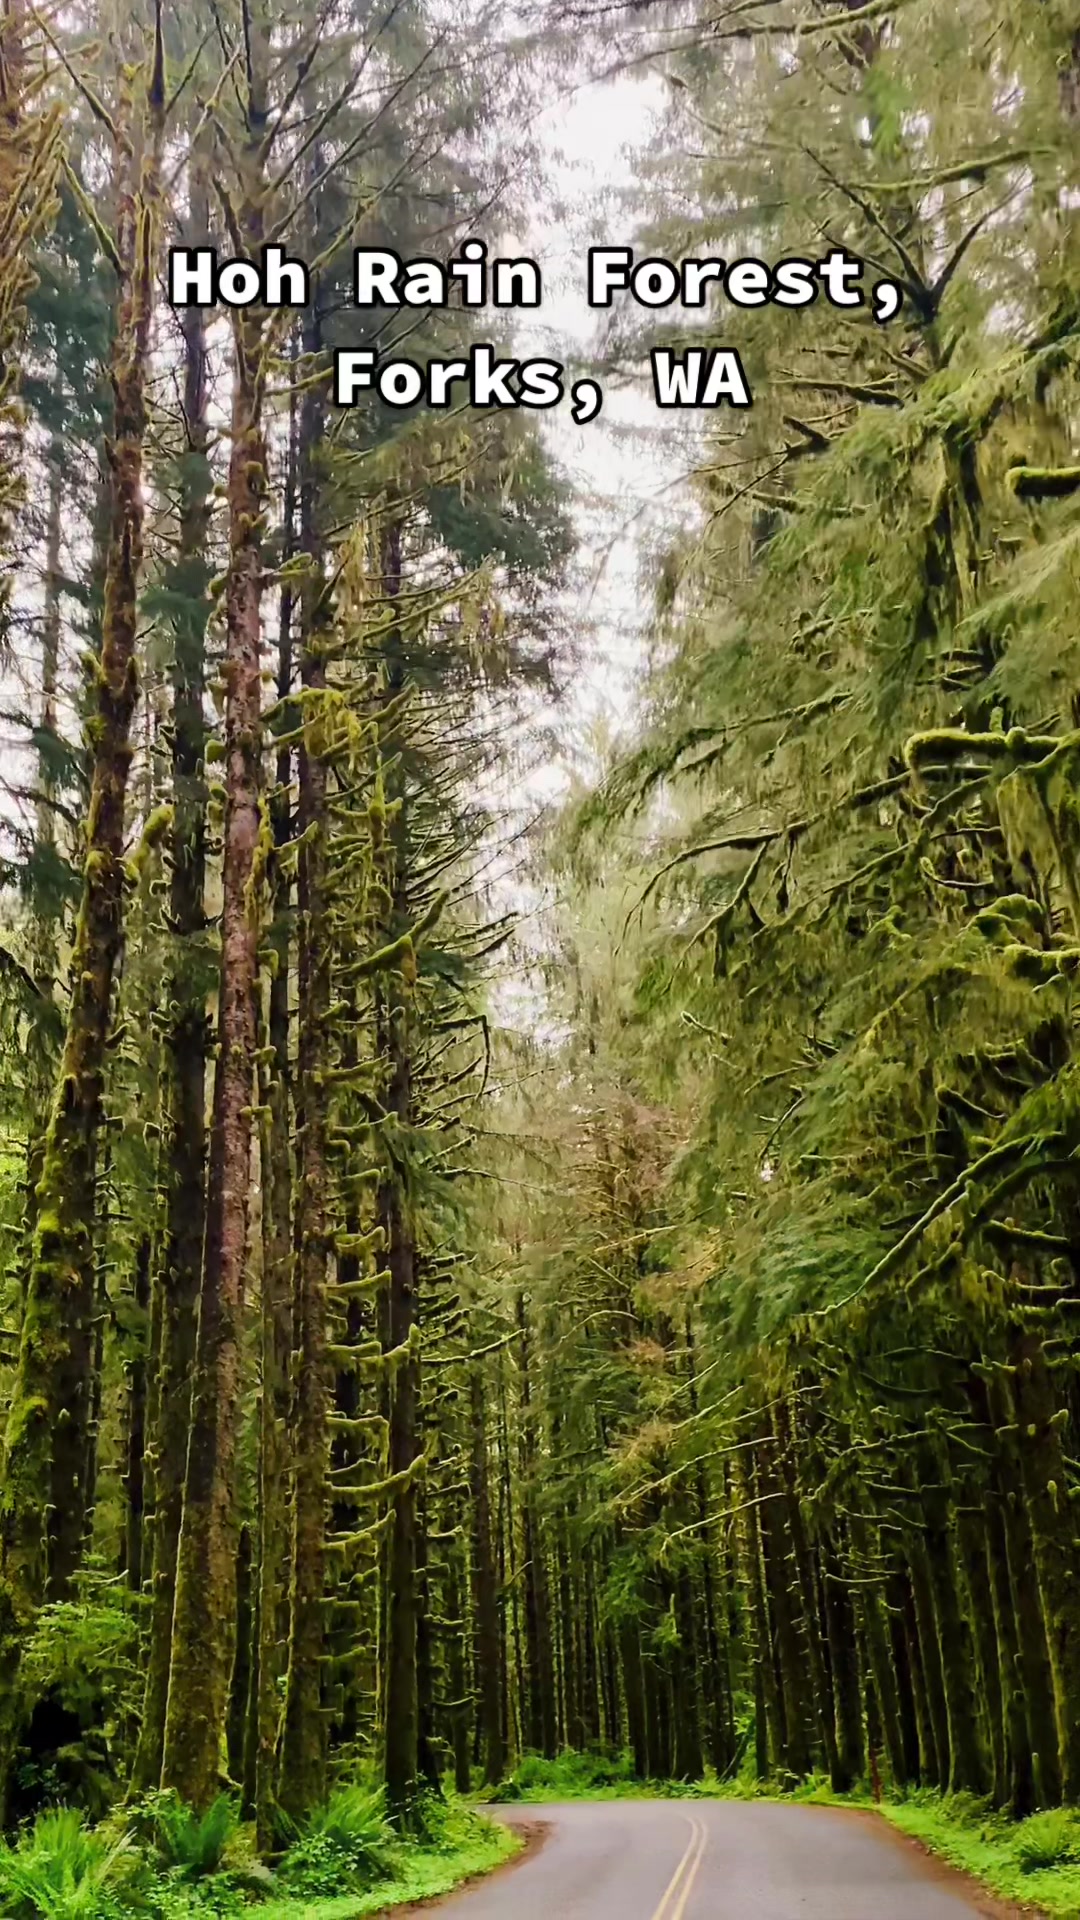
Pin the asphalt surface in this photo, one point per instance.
(715, 1860)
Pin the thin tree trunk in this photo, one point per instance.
(187, 1039)
(205, 1609)
(135, 1438)
(486, 1604)
(275, 1316)
(303, 1748)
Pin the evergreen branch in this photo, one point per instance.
(1000, 1155)
(89, 213)
(96, 106)
(914, 285)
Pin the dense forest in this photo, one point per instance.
(484, 1281)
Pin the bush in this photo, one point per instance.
(345, 1843)
(62, 1870)
(1050, 1839)
(188, 1844)
(571, 1777)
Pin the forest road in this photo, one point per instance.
(718, 1860)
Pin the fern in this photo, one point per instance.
(63, 1870)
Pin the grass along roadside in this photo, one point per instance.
(472, 1846)
(1034, 1862)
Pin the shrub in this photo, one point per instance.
(189, 1844)
(570, 1777)
(62, 1870)
(1050, 1839)
(343, 1844)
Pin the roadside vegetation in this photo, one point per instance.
(159, 1860)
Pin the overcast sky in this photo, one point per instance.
(621, 464)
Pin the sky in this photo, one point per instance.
(622, 464)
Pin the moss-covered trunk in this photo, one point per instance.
(205, 1608)
(135, 1424)
(187, 1035)
(844, 1667)
(769, 1727)
(878, 1653)
(803, 1567)
(1035, 1677)
(540, 1720)
(930, 1653)
(303, 1747)
(634, 1695)
(457, 1664)
(52, 1392)
(967, 1764)
(1053, 1534)
(485, 1592)
(924, 1762)
(782, 1593)
(972, 1544)
(275, 1299)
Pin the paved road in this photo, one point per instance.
(716, 1860)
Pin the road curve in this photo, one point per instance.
(717, 1860)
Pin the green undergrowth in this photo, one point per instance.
(593, 1776)
(1033, 1862)
(467, 1846)
(600, 1775)
(159, 1861)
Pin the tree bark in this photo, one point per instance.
(45, 1440)
(303, 1747)
(188, 1035)
(205, 1608)
(485, 1596)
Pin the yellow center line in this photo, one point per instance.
(696, 1833)
(688, 1884)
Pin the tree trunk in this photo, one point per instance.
(844, 1663)
(45, 1440)
(541, 1735)
(1057, 1563)
(135, 1438)
(205, 1609)
(187, 1039)
(1036, 1679)
(967, 1767)
(930, 1655)
(633, 1693)
(485, 1602)
(878, 1654)
(303, 1748)
(275, 1307)
(804, 1576)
